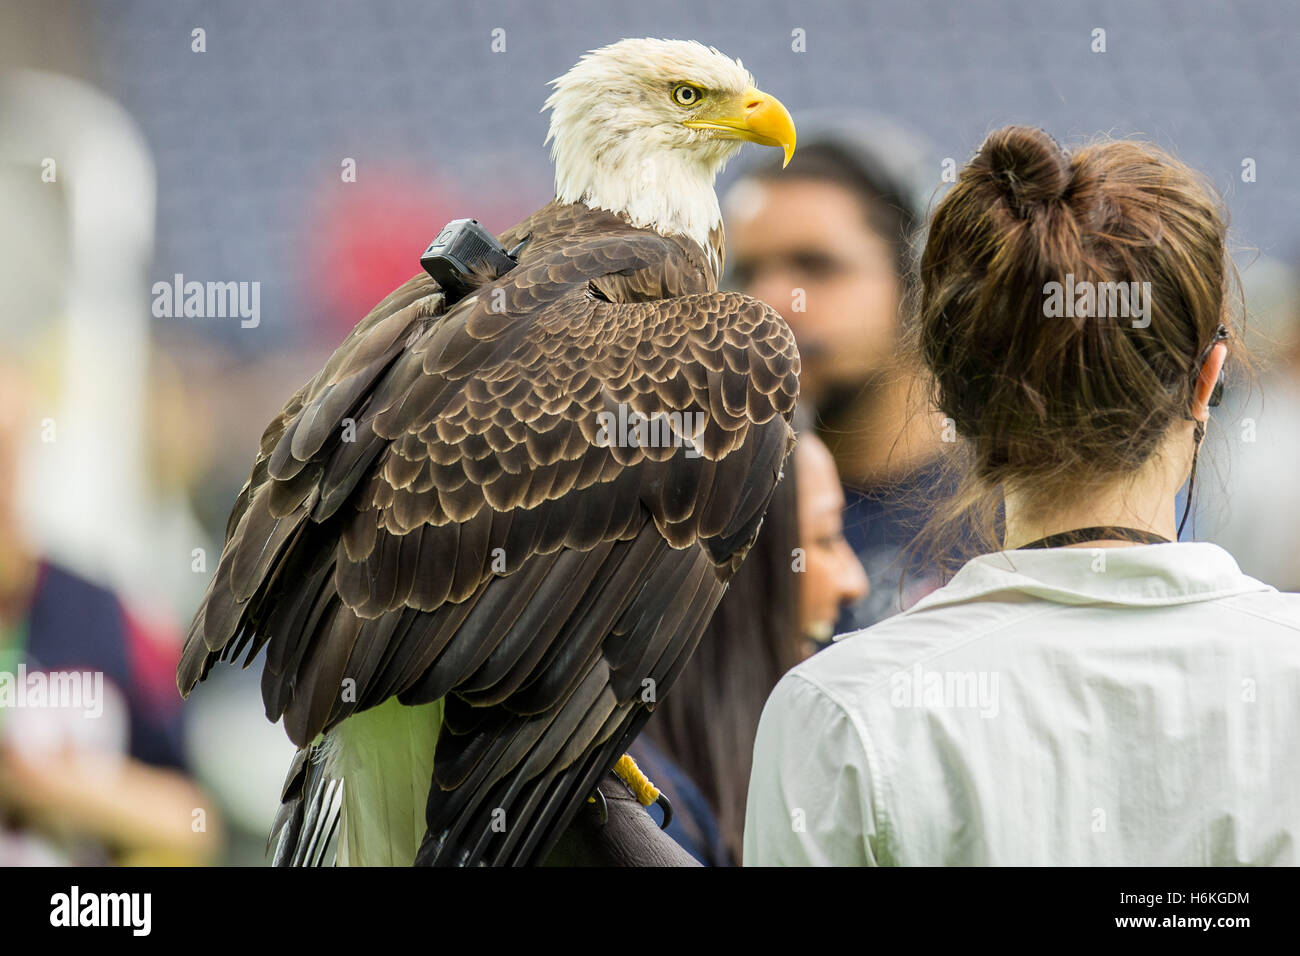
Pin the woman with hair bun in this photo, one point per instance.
(1085, 689)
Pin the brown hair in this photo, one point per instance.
(1049, 402)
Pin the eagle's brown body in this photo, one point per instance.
(373, 563)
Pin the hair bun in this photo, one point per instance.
(1027, 166)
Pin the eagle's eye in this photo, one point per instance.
(686, 95)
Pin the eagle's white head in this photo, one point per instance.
(642, 128)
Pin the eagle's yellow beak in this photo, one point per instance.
(752, 116)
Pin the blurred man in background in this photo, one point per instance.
(829, 243)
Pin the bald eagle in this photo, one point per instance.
(470, 589)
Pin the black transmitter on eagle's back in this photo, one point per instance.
(462, 251)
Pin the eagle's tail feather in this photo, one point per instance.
(307, 822)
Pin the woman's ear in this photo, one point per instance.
(1206, 381)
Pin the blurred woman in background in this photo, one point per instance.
(778, 608)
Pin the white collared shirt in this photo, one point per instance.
(1076, 706)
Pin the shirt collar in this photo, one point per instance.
(1146, 575)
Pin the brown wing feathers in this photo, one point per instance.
(368, 543)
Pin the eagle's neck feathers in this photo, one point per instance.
(662, 189)
(666, 191)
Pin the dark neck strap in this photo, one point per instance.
(1101, 533)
